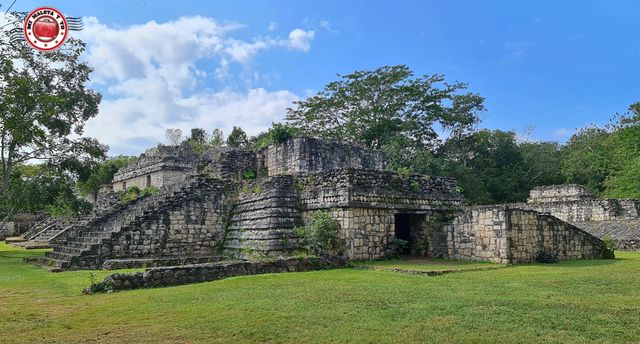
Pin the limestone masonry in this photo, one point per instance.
(242, 204)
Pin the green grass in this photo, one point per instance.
(570, 302)
(423, 264)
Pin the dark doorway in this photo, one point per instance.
(403, 230)
(148, 181)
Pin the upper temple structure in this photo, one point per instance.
(234, 203)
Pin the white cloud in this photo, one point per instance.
(272, 26)
(563, 132)
(159, 75)
(327, 26)
(518, 49)
(300, 39)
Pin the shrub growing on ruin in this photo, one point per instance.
(397, 247)
(321, 236)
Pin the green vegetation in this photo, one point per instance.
(45, 104)
(134, 193)
(321, 236)
(278, 133)
(424, 264)
(249, 174)
(101, 174)
(238, 138)
(397, 247)
(569, 302)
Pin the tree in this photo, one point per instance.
(36, 188)
(586, 158)
(198, 140)
(378, 107)
(102, 174)
(237, 138)
(44, 106)
(174, 136)
(217, 138)
(489, 165)
(607, 159)
(198, 136)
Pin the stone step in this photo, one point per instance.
(65, 257)
(51, 264)
(11, 240)
(74, 244)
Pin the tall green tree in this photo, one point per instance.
(44, 104)
(388, 106)
(238, 138)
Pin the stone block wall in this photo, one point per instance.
(264, 215)
(507, 235)
(306, 154)
(559, 193)
(234, 163)
(193, 228)
(176, 275)
(165, 165)
(189, 220)
(377, 189)
(588, 210)
(9, 229)
(478, 233)
(365, 232)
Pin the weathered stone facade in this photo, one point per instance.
(160, 166)
(617, 219)
(306, 154)
(511, 235)
(245, 204)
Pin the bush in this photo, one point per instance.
(403, 172)
(320, 238)
(610, 245)
(278, 133)
(397, 247)
(134, 193)
(249, 174)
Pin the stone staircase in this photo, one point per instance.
(79, 245)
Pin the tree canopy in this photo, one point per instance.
(44, 106)
(376, 108)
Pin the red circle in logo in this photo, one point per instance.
(45, 28)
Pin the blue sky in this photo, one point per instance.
(548, 65)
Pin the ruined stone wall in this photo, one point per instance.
(176, 275)
(508, 235)
(166, 165)
(305, 154)
(559, 193)
(234, 163)
(193, 228)
(588, 210)
(9, 229)
(365, 232)
(377, 189)
(263, 218)
(541, 237)
(188, 220)
(478, 233)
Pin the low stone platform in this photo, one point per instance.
(32, 245)
(177, 275)
(133, 263)
(13, 240)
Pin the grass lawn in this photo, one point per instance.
(422, 264)
(570, 302)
